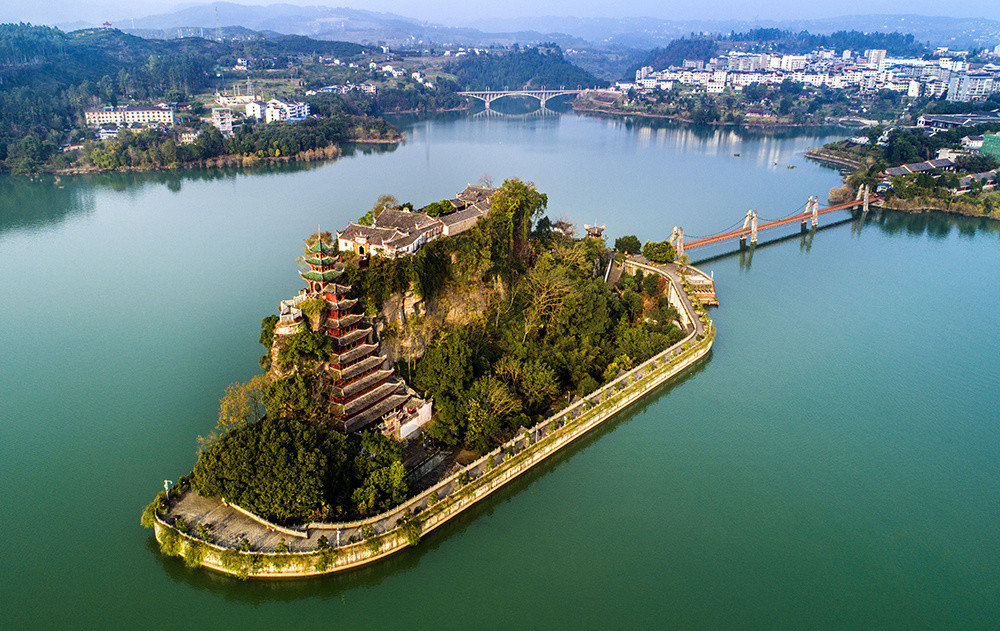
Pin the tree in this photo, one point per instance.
(243, 403)
(385, 200)
(515, 205)
(491, 404)
(278, 468)
(629, 243)
(380, 473)
(659, 251)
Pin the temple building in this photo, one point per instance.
(397, 232)
(358, 387)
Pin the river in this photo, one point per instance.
(834, 463)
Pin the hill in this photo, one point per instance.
(538, 67)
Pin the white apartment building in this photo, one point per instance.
(222, 118)
(278, 110)
(126, 115)
(256, 109)
(971, 87)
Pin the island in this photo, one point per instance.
(431, 357)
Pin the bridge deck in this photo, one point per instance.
(732, 234)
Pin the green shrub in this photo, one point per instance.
(659, 251)
(194, 553)
(628, 243)
(314, 307)
(148, 517)
(170, 542)
(245, 545)
(323, 543)
(433, 498)
(181, 524)
(203, 531)
(367, 531)
(411, 528)
(282, 546)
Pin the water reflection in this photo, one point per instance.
(937, 225)
(34, 204)
(40, 202)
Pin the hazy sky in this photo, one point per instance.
(453, 12)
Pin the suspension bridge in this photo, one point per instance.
(751, 226)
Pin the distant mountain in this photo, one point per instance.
(649, 32)
(370, 27)
(342, 24)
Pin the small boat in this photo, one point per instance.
(736, 154)
(791, 166)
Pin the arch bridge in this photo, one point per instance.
(543, 96)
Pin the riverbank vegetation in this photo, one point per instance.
(314, 138)
(48, 77)
(929, 190)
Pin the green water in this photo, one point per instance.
(834, 464)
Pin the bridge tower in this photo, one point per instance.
(863, 195)
(812, 208)
(750, 221)
(677, 240)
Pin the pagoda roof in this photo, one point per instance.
(330, 274)
(355, 335)
(356, 368)
(357, 352)
(344, 305)
(364, 383)
(348, 320)
(322, 260)
(336, 289)
(365, 418)
(321, 248)
(367, 399)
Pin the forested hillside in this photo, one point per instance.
(541, 67)
(47, 76)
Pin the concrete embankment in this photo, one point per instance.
(840, 159)
(402, 526)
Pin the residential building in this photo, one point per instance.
(128, 114)
(222, 118)
(256, 109)
(279, 110)
(971, 87)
